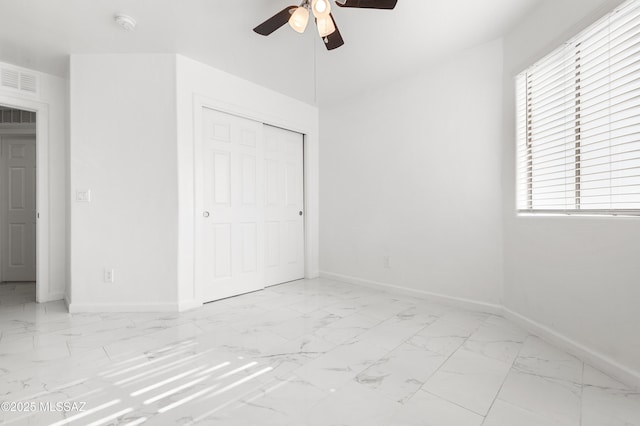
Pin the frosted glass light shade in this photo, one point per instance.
(325, 26)
(299, 19)
(321, 8)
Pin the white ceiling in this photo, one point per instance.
(380, 45)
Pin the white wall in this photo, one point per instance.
(123, 148)
(53, 94)
(579, 277)
(412, 171)
(55, 91)
(197, 84)
(132, 140)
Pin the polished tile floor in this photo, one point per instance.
(311, 352)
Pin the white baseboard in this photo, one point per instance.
(440, 298)
(122, 307)
(595, 359)
(55, 296)
(310, 275)
(187, 305)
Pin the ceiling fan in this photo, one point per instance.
(298, 18)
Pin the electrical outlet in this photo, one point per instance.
(387, 262)
(109, 276)
(83, 196)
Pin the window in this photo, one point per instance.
(578, 122)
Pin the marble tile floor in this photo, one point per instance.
(14, 295)
(311, 352)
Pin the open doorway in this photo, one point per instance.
(18, 207)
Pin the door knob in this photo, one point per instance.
(300, 212)
(205, 214)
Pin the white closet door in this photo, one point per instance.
(284, 201)
(233, 205)
(19, 208)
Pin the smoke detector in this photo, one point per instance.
(125, 21)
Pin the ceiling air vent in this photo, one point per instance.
(10, 78)
(28, 82)
(15, 79)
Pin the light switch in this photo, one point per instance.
(83, 195)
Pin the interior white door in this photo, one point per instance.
(233, 205)
(19, 208)
(284, 202)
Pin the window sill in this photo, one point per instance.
(579, 213)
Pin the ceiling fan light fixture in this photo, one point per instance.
(321, 8)
(299, 19)
(325, 26)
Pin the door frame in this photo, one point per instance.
(42, 188)
(199, 103)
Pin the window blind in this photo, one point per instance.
(578, 122)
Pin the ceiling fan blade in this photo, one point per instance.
(368, 4)
(333, 40)
(275, 22)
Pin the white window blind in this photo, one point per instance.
(578, 122)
